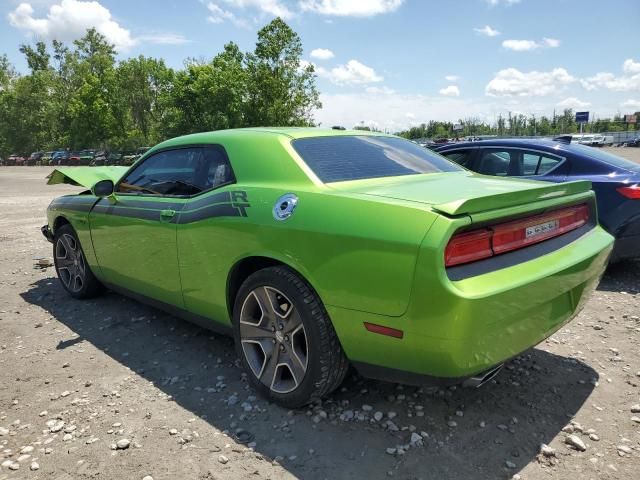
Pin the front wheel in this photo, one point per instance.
(285, 338)
(71, 266)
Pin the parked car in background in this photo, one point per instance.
(615, 180)
(74, 158)
(317, 249)
(104, 157)
(34, 158)
(86, 156)
(634, 143)
(46, 158)
(130, 158)
(15, 159)
(61, 157)
(608, 140)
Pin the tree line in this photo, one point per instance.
(518, 125)
(78, 96)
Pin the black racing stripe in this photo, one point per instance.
(121, 211)
(160, 204)
(211, 211)
(221, 197)
(78, 204)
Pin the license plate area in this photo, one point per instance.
(542, 228)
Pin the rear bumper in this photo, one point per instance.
(454, 330)
(48, 234)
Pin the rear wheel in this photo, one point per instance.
(71, 266)
(285, 338)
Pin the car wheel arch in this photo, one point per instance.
(59, 222)
(244, 267)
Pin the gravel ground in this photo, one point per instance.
(112, 389)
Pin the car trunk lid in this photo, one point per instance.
(464, 193)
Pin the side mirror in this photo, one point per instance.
(103, 188)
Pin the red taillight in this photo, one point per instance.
(468, 247)
(632, 192)
(496, 239)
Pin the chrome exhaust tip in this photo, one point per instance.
(478, 380)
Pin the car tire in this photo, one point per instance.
(278, 312)
(74, 273)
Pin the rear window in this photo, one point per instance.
(341, 158)
(606, 157)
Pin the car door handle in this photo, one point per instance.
(166, 215)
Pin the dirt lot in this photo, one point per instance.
(77, 377)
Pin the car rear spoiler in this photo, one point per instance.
(511, 199)
(85, 176)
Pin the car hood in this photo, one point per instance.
(463, 192)
(85, 176)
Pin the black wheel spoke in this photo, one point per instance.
(269, 370)
(254, 332)
(293, 322)
(273, 339)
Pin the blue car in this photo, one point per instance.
(615, 180)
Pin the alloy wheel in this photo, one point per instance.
(70, 263)
(273, 339)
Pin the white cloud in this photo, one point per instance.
(572, 102)
(350, 8)
(390, 111)
(164, 39)
(452, 78)
(353, 73)
(272, 7)
(218, 14)
(632, 104)
(630, 66)
(493, 3)
(384, 90)
(513, 82)
(322, 53)
(551, 42)
(488, 31)
(520, 45)
(629, 81)
(450, 91)
(527, 45)
(635, 104)
(69, 20)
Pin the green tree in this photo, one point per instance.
(281, 90)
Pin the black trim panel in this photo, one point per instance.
(394, 375)
(199, 320)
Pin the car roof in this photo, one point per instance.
(291, 132)
(539, 143)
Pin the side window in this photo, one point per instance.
(530, 163)
(538, 163)
(180, 172)
(461, 157)
(496, 162)
(546, 164)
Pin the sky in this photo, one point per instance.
(388, 64)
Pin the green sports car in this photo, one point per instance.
(323, 249)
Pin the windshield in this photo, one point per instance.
(605, 157)
(341, 158)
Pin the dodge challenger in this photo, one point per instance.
(319, 250)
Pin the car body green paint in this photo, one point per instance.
(372, 249)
